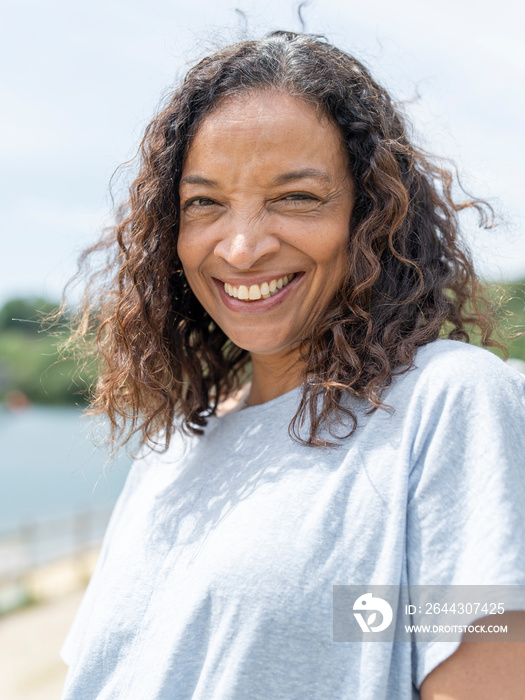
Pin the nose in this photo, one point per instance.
(245, 240)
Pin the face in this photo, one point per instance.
(266, 199)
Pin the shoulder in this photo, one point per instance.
(459, 398)
(451, 367)
(466, 413)
(453, 358)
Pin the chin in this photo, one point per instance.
(256, 346)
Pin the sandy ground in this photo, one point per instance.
(30, 640)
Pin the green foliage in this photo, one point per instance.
(512, 317)
(29, 358)
(25, 314)
(31, 363)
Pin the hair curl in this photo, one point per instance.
(165, 362)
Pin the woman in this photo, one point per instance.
(282, 274)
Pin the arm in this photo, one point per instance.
(466, 513)
(482, 670)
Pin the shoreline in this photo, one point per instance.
(47, 583)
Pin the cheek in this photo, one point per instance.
(183, 250)
(333, 264)
(331, 251)
(189, 261)
(191, 257)
(195, 245)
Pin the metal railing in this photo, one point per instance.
(36, 546)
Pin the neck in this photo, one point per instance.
(273, 377)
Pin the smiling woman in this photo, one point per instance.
(266, 202)
(280, 319)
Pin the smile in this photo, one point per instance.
(254, 292)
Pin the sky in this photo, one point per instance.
(81, 81)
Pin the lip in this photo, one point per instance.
(259, 305)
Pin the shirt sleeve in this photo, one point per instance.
(466, 508)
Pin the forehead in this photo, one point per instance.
(266, 131)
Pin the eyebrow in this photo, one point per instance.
(198, 180)
(300, 174)
(279, 180)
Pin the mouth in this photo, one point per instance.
(258, 296)
(254, 292)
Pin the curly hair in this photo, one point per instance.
(165, 363)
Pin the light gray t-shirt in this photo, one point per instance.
(216, 576)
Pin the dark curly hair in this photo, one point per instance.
(166, 364)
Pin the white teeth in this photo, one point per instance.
(255, 291)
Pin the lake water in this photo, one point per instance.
(50, 468)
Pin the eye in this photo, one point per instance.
(199, 202)
(303, 201)
(300, 197)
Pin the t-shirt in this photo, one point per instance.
(217, 572)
